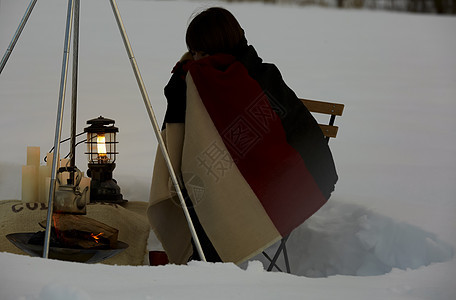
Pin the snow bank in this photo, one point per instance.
(350, 239)
(38, 279)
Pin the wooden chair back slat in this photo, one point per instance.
(328, 130)
(327, 108)
(322, 107)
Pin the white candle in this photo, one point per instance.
(49, 159)
(29, 183)
(44, 172)
(47, 186)
(33, 156)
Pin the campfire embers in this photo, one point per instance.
(73, 238)
(91, 255)
(79, 232)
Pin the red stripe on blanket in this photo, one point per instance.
(256, 140)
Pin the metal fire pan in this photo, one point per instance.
(89, 256)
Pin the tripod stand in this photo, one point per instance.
(73, 13)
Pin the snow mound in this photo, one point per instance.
(349, 239)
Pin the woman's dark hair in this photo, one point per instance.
(214, 30)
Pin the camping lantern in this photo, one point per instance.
(101, 151)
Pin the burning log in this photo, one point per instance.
(77, 231)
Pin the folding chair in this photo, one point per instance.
(329, 131)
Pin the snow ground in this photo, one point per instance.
(392, 216)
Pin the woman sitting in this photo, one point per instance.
(252, 160)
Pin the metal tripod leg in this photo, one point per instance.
(156, 127)
(58, 126)
(74, 87)
(17, 34)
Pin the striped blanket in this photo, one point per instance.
(252, 158)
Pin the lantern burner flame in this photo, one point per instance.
(101, 145)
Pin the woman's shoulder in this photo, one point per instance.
(255, 64)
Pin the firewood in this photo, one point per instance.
(77, 231)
